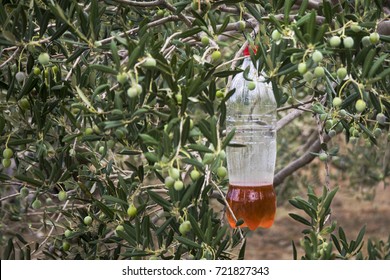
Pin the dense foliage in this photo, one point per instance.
(113, 114)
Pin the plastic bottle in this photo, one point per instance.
(251, 154)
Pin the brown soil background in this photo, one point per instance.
(349, 212)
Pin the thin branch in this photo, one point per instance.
(222, 196)
(143, 4)
(73, 67)
(9, 196)
(319, 19)
(51, 230)
(226, 9)
(180, 15)
(251, 23)
(312, 4)
(292, 116)
(299, 162)
(321, 138)
(311, 138)
(168, 40)
(134, 30)
(10, 58)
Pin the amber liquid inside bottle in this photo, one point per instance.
(255, 205)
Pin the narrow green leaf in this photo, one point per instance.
(227, 73)
(254, 11)
(328, 200)
(277, 92)
(368, 61)
(28, 86)
(224, 25)
(336, 242)
(193, 162)
(84, 98)
(368, 132)
(311, 25)
(303, 7)
(241, 254)
(375, 101)
(77, 53)
(199, 148)
(114, 199)
(299, 219)
(61, 30)
(115, 56)
(342, 235)
(384, 73)
(162, 228)
(8, 250)
(4, 177)
(190, 32)
(328, 13)
(9, 36)
(29, 180)
(134, 56)
(298, 32)
(187, 196)
(287, 69)
(107, 211)
(188, 242)
(350, 99)
(151, 156)
(228, 138)
(303, 19)
(124, 235)
(113, 124)
(103, 68)
(287, 8)
(129, 152)
(295, 254)
(147, 139)
(17, 142)
(320, 34)
(221, 233)
(160, 200)
(275, 21)
(195, 227)
(2, 124)
(213, 131)
(377, 64)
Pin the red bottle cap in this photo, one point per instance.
(247, 53)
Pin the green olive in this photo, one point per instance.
(44, 58)
(8, 153)
(221, 172)
(178, 185)
(62, 196)
(216, 56)
(132, 211)
(88, 220)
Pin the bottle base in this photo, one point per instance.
(254, 205)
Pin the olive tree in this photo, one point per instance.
(113, 114)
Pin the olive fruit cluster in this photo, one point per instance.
(173, 180)
(7, 155)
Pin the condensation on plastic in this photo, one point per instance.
(251, 154)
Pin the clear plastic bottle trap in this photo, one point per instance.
(251, 155)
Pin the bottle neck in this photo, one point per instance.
(246, 62)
